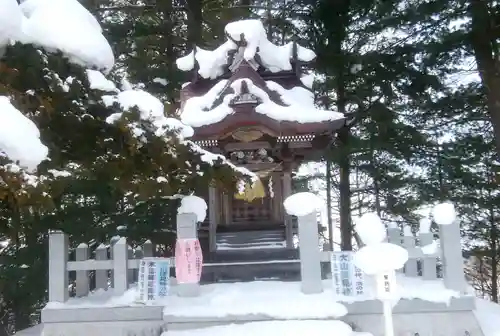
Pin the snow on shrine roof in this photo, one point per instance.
(298, 104)
(274, 58)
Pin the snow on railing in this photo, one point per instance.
(114, 266)
(429, 258)
(425, 255)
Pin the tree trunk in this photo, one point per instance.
(346, 233)
(329, 200)
(195, 21)
(494, 257)
(483, 39)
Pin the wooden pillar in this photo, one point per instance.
(213, 218)
(287, 191)
(277, 202)
(226, 211)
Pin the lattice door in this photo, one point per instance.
(259, 210)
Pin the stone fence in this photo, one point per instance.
(117, 264)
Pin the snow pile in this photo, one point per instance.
(274, 58)
(377, 257)
(444, 213)
(424, 225)
(150, 108)
(370, 228)
(66, 26)
(302, 204)
(488, 314)
(198, 111)
(299, 104)
(11, 19)
(19, 137)
(281, 300)
(194, 204)
(380, 257)
(98, 81)
(273, 328)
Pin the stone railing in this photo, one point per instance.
(117, 264)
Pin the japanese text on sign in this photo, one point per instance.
(154, 276)
(188, 260)
(385, 285)
(348, 280)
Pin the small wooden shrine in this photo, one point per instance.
(250, 101)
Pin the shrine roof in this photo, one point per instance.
(261, 88)
(272, 105)
(251, 36)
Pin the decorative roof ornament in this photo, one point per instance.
(246, 40)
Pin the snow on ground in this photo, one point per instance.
(273, 328)
(488, 315)
(278, 299)
(19, 137)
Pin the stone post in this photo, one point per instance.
(188, 257)
(453, 267)
(58, 267)
(120, 266)
(310, 254)
(429, 262)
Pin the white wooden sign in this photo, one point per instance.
(154, 278)
(348, 280)
(385, 285)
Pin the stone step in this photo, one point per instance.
(250, 240)
(251, 234)
(251, 271)
(264, 254)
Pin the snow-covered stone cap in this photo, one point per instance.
(194, 204)
(379, 258)
(302, 204)
(370, 229)
(251, 36)
(444, 213)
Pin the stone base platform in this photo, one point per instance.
(411, 317)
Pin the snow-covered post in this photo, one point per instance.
(305, 205)
(380, 259)
(449, 232)
(411, 268)
(188, 254)
(428, 246)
